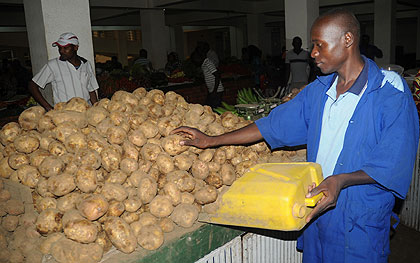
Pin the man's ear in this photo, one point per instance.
(348, 39)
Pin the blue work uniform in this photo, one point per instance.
(381, 139)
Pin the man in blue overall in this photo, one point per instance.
(361, 125)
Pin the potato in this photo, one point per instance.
(114, 192)
(28, 175)
(16, 256)
(103, 241)
(150, 151)
(236, 160)
(130, 217)
(155, 111)
(132, 204)
(96, 142)
(76, 104)
(28, 119)
(86, 179)
(95, 115)
(125, 97)
(44, 142)
(215, 180)
(171, 190)
(103, 103)
(183, 180)
(46, 244)
(243, 167)
(135, 177)
(146, 219)
(138, 116)
(150, 237)
(82, 231)
(200, 169)
(116, 177)
(88, 157)
(129, 165)
(130, 150)
(57, 148)
(75, 142)
(4, 255)
(17, 159)
(93, 207)
(66, 116)
(185, 215)
(67, 251)
(9, 132)
(140, 92)
(36, 157)
(67, 202)
(110, 159)
(206, 155)
(228, 174)
(183, 162)
(187, 198)
(115, 208)
(161, 206)
(26, 143)
(219, 156)
(166, 224)
(171, 144)
(49, 221)
(10, 222)
(51, 165)
(120, 234)
(205, 195)
(5, 169)
(61, 184)
(45, 203)
(116, 134)
(214, 167)
(149, 129)
(165, 163)
(71, 215)
(214, 129)
(118, 106)
(147, 189)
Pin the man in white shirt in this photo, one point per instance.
(70, 75)
(211, 77)
(297, 63)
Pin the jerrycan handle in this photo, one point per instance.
(311, 202)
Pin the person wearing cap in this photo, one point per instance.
(70, 75)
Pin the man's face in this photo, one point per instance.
(329, 48)
(67, 52)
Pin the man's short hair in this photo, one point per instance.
(348, 20)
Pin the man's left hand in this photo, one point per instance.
(331, 188)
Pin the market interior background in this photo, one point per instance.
(121, 28)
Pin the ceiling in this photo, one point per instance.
(126, 13)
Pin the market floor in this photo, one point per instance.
(405, 245)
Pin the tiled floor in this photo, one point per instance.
(405, 245)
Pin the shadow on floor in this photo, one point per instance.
(405, 245)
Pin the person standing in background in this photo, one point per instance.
(370, 51)
(143, 60)
(70, 75)
(297, 63)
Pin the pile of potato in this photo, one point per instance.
(112, 175)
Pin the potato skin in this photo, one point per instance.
(161, 206)
(120, 234)
(49, 221)
(206, 195)
(61, 184)
(67, 251)
(82, 231)
(93, 207)
(185, 215)
(147, 189)
(150, 237)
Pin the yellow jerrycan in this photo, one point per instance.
(269, 196)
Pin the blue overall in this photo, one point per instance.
(381, 139)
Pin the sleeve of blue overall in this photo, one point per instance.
(287, 124)
(391, 161)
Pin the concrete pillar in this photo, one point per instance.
(299, 16)
(236, 41)
(255, 30)
(121, 37)
(418, 38)
(177, 41)
(46, 20)
(155, 36)
(384, 24)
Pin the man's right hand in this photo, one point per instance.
(194, 137)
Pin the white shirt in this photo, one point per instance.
(67, 81)
(298, 65)
(212, 55)
(208, 69)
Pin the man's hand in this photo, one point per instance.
(194, 137)
(331, 188)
